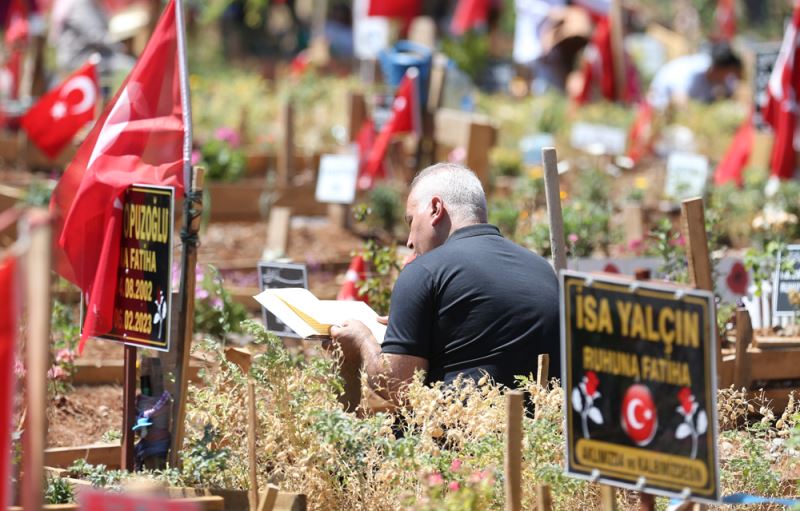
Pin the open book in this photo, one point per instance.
(312, 318)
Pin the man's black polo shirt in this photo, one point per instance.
(478, 302)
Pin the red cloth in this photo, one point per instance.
(598, 69)
(468, 15)
(725, 19)
(395, 8)
(365, 140)
(8, 338)
(641, 131)
(780, 111)
(58, 115)
(12, 71)
(731, 167)
(405, 119)
(355, 273)
(17, 30)
(138, 139)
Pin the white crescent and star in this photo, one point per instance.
(633, 405)
(86, 86)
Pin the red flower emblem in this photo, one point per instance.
(686, 398)
(611, 268)
(738, 279)
(591, 383)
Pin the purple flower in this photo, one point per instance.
(200, 293)
(228, 135)
(216, 302)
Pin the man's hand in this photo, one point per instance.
(355, 339)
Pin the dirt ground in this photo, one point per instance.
(82, 416)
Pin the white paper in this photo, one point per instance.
(336, 181)
(687, 174)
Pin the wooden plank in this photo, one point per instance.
(608, 498)
(693, 227)
(252, 423)
(96, 454)
(266, 501)
(37, 354)
(358, 114)
(482, 137)
(513, 455)
(744, 335)
(647, 502)
(774, 364)
(278, 230)
(558, 244)
(239, 356)
(617, 51)
(544, 498)
(291, 502)
(128, 409)
(285, 170)
(111, 372)
(542, 369)
(183, 341)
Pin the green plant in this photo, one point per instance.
(505, 161)
(667, 244)
(64, 334)
(222, 156)
(763, 263)
(58, 491)
(504, 214)
(111, 436)
(202, 461)
(215, 311)
(382, 261)
(470, 52)
(385, 207)
(38, 193)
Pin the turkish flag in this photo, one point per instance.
(599, 65)
(58, 115)
(138, 139)
(405, 118)
(731, 167)
(11, 73)
(725, 18)
(780, 110)
(641, 132)
(365, 140)
(468, 15)
(8, 338)
(356, 273)
(16, 32)
(395, 8)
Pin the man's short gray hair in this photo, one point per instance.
(459, 188)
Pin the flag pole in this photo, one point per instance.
(188, 254)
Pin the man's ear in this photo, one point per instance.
(437, 209)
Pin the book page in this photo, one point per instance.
(284, 313)
(336, 311)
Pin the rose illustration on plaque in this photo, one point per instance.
(695, 421)
(583, 398)
(161, 312)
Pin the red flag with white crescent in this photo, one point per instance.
(138, 139)
(8, 339)
(58, 115)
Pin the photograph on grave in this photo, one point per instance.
(787, 279)
(273, 275)
(144, 280)
(639, 368)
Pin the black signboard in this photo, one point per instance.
(765, 55)
(272, 275)
(786, 279)
(638, 368)
(144, 289)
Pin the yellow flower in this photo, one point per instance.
(640, 183)
(535, 172)
(563, 195)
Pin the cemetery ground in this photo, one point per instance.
(446, 450)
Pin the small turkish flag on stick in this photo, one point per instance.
(58, 115)
(355, 274)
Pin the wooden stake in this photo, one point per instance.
(617, 50)
(358, 113)
(744, 336)
(513, 450)
(553, 195)
(251, 444)
(37, 356)
(693, 227)
(286, 147)
(608, 498)
(128, 409)
(183, 341)
(542, 377)
(647, 502)
(268, 497)
(544, 499)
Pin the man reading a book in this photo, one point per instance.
(470, 303)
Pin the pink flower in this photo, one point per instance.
(200, 293)
(228, 135)
(591, 383)
(65, 356)
(678, 242)
(216, 302)
(455, 465)
(19, 369)
(196, 157)
(687, 399)
(435, 479)
(56, 373)
(636, 245)
(481, 476)
(573, 238)
(453, 486)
